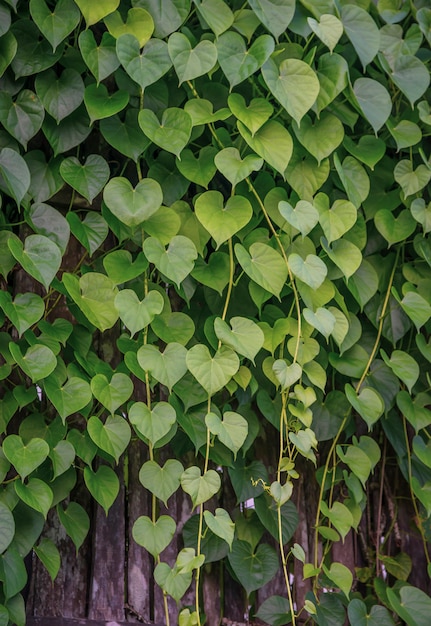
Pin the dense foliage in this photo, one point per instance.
(246, 183)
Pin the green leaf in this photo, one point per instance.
(221, 220)
(55, 24)
(215, 274)
(413, 605)
(369, 149)
(14, 575)
(50, 222)
(354, 179)
(38, 362)
(14, 174)
(244, 336)
(368, 403)
(112, 436)
(360, 615)
(121, 268)
(374, 101)
(23, 117)
(49, 555)
(103, 484)
(69, 132)
(321, 319)
(414, 410)
(39, 257)
(7, 527)
(213, 373)
(332, 72)
(34, 52)
(137, 314)
(172, 133)
(221, 524)
(68, 398)
(304, 216)
(100, 59)
(254, 115)
(253, 567)
(238, 62)
(276, 15)
(275, 610)
(305, 177)
(36, 494)
(153, 424)
(24, 311)
(94, 294)
(91, 232)
(125, 135)
(145, 67)
(138, 23)
(345, 255)
(294, 84)
(177, 261)
(329, 29)
(60, 95)
(101, 104)
(161, 481)
(362, 31)
(411, 180)
(94, 13)
(416, 307)
(216, 14)
(189, 63)
(200, 487)
(411, 76)
(76, 522)
(154, 536)
(286, 373)
(172, 581)
(132, 205)
(229, 162)
(339, 516)
(200, 169)
(322, 137)
(341, 576)
(87, 179)
(272, 142)
(312, 271)
(167, 367)
(8, 48)
(337, 220)
(264, 265)
(404, 366)
(114, 393)
(232, 430)
(422, 213)
(25, 458)
(167, 15)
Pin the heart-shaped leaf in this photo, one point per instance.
(233, 167)
(125, 135)
(112, 436)
(202, 111)
(139, 23)
(303, 217)
(91, 232)
(264, 265)
(39, 257)
(253, 567)
(101, 104)
(244, 336)
(368, 403)
(232, 430)
(411, 181)
(215, 274)
(25, 458)
(145, 67)
(338, 219)
(7, 526)
(23, 117)
(24, 311)
(200, 169)
(189, 63)
(172, 133)
(411, 75)
(94, 294)
(36, 494)
(166, 367)
(341, 576)
(374, 100)
(369, 149)
(294, 84)
(322, 137)
(200, 487)
(238, 62)
(222, 221)
(154, 536)
(114, 393)
(93, 13)
(404, 366)
(422, 213)
(38, 362)
(216, 14)
(153, 424)
(252, 116)
(394, 229)
(276, 15)
(362, 31)
(173, 582)
(221, 524)
(121, 268)
(177, 261)
(339, 516)
(68, 398)
(76, 522)
(137, 314)
(55, 24)
(89, 178)
(360, 615)
(100, 59)
(312, 271)
(213, 373)
(272, 142)
(329, 29)
(286, 373)
(161, 481)
(14, 174)
(62, 456)
(322, 319)
(103, 484)
(131, 205)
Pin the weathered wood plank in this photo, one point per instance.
(64, 621)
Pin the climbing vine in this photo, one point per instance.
(215, 239)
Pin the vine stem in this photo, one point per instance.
(230, 284)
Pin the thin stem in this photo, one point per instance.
(230, 283)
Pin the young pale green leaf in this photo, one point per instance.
(345, 255)
(221, 525)
(24, 311)
(216, 13)
(312, 271)
(212, 372)
(145, 67)
(357, 460)
(264, 265)
(153, 424)
(202, 111)
(414, 410)
(172, 133)
(221, 220)
(138, 314)
(215, 273)
(173, 582)
(112, 394)
(132, 206)
(321, 319)
(38, 362)
(232, 430)
(337, 220)
(272, 142)
(339, 516)
(305, 177)
(294, 84)
(416, 307)
(422, 213)
(94, 294)
(368, 403)
(341, 576)
(254, 115)
(200, 487)
(94, 13)
(329, 29)
(281, 493)
(354, 179)
(161, 481)
(36, 494)
(75, 521)
(322, 137)
(68, 398)
(229, 162)
(112, 436)
(121, 268)
(244, 336)
(286, 374)
(100, 59)
(177, 261)
(404, 366)
(138, 23)
(304, 216)
(25, 457)
(167, 367)
(238, 62)
(154, 536)
(189, 63)
(103, 484)
(411, 180)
